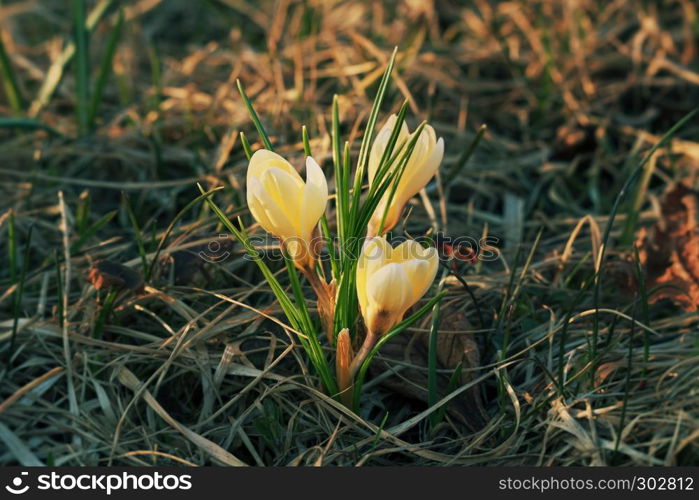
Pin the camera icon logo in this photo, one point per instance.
(16, 487)
(216, 250)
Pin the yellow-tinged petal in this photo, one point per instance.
(420, 167)
(408, 250)
(421, 274)
(418, 173)
(271, 216)
(391, 280)
(381, 142)
(389, 294)
(375, 253)
(255, 205)
(284, 204)
(315, 197)
(263, 159)
(285, 193)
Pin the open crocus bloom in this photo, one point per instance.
(391, 280)
(283, 204)
(419, 169)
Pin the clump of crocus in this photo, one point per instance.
(420, 167)
(289, 208)
(389, 282)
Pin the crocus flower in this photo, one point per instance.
(391, 280)
(419, 169)
(284, 205)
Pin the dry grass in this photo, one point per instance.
(198, 367)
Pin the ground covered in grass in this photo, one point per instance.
(184, 358)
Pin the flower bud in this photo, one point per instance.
(343, 361)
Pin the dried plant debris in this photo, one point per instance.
(190, 264)
(669, 250)
(109, 274)
(406, 356)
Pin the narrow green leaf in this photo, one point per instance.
(106, 67)
(55, 72)
(465, 156)
(253, 115)
(306, 141)
(246, 145)
(82, 66)
(9, 81)
(27, 124)
(359, 379)
(138, 235)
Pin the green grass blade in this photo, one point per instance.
(9, 81)
(12, 248)
(465, 156)
(627, 388)
(170, 227)
(369, 132)
(341, 189)
(105, 311)
(612, 216)
(359, 379)
(105, 67)
(82, 66)
(306, 141)
(55, 73)
(255, 118)
(246, 146)
(91, 230)
(432, 389)
(19, 292)
(643, 297)
(59, 287)
(27, 124)
(138, 235)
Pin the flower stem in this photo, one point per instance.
(326, 301)
(364, 350)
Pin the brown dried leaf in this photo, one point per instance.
(453, 347)
(190, 264)
(106, 273)
(670, 249)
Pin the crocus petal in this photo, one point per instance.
(388, 290)
(315, 197)
(375, 253)
(277, 215)
(408, 250)
(263, 159)
(420, 169)
(421, 273)
(381, 142)
(254, 192)
(416, 270)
